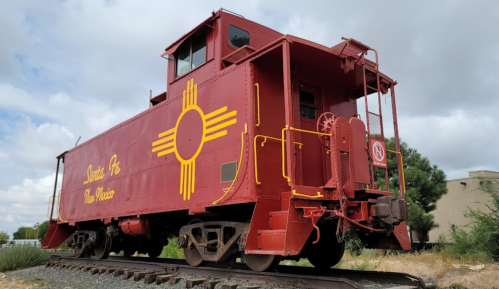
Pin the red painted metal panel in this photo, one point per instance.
(359, 151)
(56, 234)
(125, 178)
(402, 236)
(268, 74)
(259, 34)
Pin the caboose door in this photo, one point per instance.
(309, 98)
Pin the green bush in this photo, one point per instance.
(480, 239)
(352, 243)
(172, 251)
(19, 257)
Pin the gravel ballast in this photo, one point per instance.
(55, 278)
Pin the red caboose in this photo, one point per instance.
(256, 150)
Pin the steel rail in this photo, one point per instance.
(306, 277)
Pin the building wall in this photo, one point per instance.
(461, 194)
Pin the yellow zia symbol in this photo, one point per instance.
(173, 140)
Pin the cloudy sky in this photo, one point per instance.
(76, 68)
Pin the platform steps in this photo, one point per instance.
(273, 239)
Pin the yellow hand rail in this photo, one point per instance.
(58, 205)
(401, 166)
(238, 165)
(48, 207)
(308, 196)
(309, 131)
(265, 137)
(284, 155)
(258, 102)
(300, 145)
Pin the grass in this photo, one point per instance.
(39, 282)
(172, 251)
(19, 257)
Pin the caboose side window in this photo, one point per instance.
(191, 54)
(238, 37)
(307, 105)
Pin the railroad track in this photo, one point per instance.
(172, 271)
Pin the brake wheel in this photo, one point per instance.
(325, 125)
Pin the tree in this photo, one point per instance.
(425, 184)
(42, 229)
(25, 233)
(4, 237)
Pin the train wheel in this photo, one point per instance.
(327, 253)
(192, 256)
(191, 253)
(326, 257)
(103, 245)
(129, 252)
(261, 263)
(79, 251)
(155, 248)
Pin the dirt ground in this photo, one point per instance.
(15, 283)
(438, 269)
(445, 276)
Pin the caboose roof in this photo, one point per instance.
(322, 60)
(173, 47)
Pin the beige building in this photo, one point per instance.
(461, 194)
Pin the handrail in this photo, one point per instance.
(309, 131)
(58, 206)
(402, 168)
(48, 207)
(300, 145)
(238, 165)
(284, 155)
(308, 196)
(265, 137)
(282, 148)
(258, 102)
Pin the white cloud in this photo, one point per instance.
(37, 145)
(25, 204)
(459, 142)
(59, 99)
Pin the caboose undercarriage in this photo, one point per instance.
(211, 238)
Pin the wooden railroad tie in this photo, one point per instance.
(128, 273)
(160, 279)
(193, 282)
(119, 272)
(137, 276)
(211, 284)
(151, 277)
(174, 280)
(230, 285)
(110, 270)
(97, 270)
